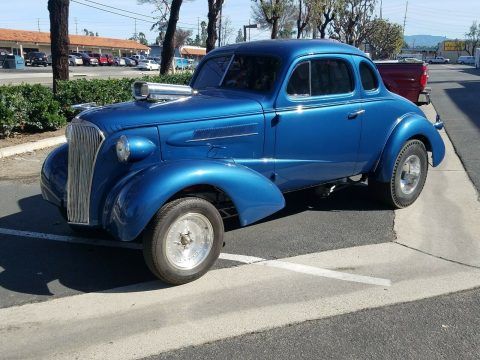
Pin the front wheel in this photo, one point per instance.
(183, 240)
(408, 177)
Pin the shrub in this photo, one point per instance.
(28, 108)
(34, 108)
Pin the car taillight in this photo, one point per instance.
(424, 77)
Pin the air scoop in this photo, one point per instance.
(160, 92)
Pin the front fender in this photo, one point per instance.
(409, 127)
(136, 199)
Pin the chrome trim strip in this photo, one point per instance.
(223, 137)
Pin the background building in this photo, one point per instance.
(20, 42)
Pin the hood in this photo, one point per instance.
(112, 118)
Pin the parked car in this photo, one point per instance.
(134, 60)
(102, 59)
(260, 119)
(110, 59)
(36, 58)
(49, 60)
(438, 60)
(74, 60)
(86, 58)
(408, 79)
(466, 60)
(148, 65)
(118, 61)
(477, 58)
(138, 58)
(129, 62)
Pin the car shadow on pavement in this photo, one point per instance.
(36, 269)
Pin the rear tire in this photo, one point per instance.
(408, 177)
(183, 240)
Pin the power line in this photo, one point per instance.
(116, 8)
(113, 12)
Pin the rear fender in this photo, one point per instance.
(135, 200)
(409, 127)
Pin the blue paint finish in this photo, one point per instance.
(140, 148)
(140, 197)
(54, 176)
(409, 127)
(251, 145)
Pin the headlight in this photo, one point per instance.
(123, 149)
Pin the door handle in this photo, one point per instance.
(355, 114)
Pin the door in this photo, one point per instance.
(318, 123)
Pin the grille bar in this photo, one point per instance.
(84, 142)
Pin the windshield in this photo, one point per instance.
(245, 72)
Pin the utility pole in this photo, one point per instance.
(38, 24)
(249, 26)
(381, 9)
(405, 18)
(198, 27)
(135, 33)
(76, 26)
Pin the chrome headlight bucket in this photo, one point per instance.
(123, 149)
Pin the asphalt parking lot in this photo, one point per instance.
(43, 75)
(455, 94)
(324, 274)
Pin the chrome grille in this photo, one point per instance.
(83, 144)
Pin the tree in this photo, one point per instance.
(203, 32)
(140, 37)
(89, 33)
(385, 39)
(60, 41)
(239, 37)
(214, 8)
(323, 13)
(166, 9)
(306, 8)
(352, 21)
(227, 31)
(472, 38)
(181, 37)
(168, 49)
(276, 15)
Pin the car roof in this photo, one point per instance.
(289, 48)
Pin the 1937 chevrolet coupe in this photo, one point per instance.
(259, 119)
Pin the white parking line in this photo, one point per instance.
(299, 268)
(306, 269)
(70, 239)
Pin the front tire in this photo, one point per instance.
(408, 177)
(183, 240)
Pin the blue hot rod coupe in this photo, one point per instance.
(259, 119)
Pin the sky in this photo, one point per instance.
(450, 18)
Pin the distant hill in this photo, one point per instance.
(423, 40)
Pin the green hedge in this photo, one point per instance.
(34, 108)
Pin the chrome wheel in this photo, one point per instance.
(410, 175)
(189, 240)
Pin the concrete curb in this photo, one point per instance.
(31, 146)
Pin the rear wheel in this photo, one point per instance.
(183, 240)
(408, 177)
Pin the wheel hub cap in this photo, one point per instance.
(189, 241)
(410, 176)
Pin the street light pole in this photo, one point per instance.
(245, 27)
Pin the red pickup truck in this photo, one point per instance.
(408, 79)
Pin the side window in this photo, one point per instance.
(369, 79)
(299, 83)
(331, 76)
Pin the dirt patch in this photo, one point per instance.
(25, 167)
(25, 138)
